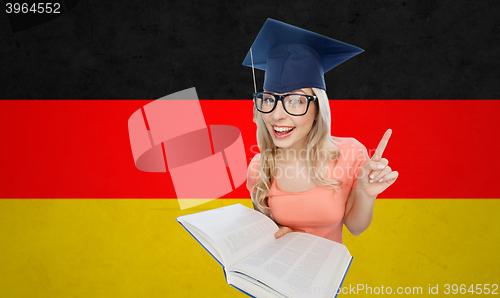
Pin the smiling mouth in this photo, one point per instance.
(282, 131)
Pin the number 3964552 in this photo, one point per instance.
(33, 8)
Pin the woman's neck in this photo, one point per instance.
(295, 154)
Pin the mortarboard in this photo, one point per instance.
(295, 58)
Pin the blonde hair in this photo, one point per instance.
(320, 145)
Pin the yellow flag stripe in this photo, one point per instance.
(136, 248)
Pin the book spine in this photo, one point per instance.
(241, 290)
(342, 281)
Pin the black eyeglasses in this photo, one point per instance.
(294, 104)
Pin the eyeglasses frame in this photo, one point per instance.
(281, 98)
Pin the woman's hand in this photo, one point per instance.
(376, 176)
(282, 231)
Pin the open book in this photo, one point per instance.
(256, 263)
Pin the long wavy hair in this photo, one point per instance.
(320, 146)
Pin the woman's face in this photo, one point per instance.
(287, 131)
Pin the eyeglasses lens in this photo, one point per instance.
(294, 104)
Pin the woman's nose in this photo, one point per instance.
(279, 112)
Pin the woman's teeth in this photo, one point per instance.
(282, 129)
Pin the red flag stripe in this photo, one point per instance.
(80, 148)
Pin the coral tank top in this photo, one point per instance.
(319, 211)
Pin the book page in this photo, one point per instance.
(236, 230)
(297, 265)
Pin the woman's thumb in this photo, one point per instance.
(282, 231)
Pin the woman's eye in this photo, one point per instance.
(269, 100)
(296, 100)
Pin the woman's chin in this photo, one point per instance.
(283, 144)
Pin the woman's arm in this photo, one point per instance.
(373, 178)
(358, 212)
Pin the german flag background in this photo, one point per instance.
(77, 219)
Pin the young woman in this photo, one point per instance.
(305, 179)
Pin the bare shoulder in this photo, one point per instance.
(350, 147)
(347, 143)
(254, 163)
(253, 170)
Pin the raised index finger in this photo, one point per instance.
(381, 146)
